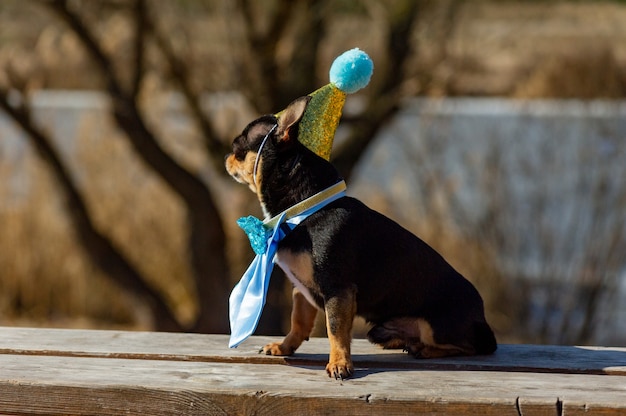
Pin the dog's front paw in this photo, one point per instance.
(277, 348)
(340, 369)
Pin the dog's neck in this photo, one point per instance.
(296, 179)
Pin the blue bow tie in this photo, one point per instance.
(257, 233)
(248, 296)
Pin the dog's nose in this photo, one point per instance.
(227, 156)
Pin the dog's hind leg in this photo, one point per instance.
(302, 321)
(433, 347)
(414, 335)
(397, 333)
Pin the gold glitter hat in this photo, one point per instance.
(349, 72)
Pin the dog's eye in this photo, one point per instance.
(239, 150)
(240, 154)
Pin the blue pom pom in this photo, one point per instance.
(351, 71)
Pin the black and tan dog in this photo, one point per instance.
(350, 260)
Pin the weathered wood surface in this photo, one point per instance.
(48, 371)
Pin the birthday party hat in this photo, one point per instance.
(348, 73)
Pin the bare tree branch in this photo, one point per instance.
(207, 237)
(99, 248)
(262, 80)
(215, 147)
(140, 17)
(384, 100)
(62, 10)
(301, 77)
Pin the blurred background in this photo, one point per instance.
(495, 130)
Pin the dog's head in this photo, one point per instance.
(260, 146)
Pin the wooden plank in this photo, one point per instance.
(47, 385)
(213, 348)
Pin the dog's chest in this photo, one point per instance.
(299, 270)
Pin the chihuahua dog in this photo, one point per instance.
(348, 260)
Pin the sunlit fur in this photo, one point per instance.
(243, 171)
(240, 164)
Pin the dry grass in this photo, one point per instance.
(46, 279)
(46, 276)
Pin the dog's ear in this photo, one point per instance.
(290, 117)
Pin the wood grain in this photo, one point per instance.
(213, 348)
(75, 372)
